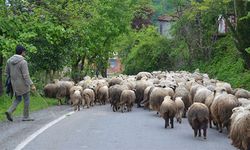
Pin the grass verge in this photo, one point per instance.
(36, 103)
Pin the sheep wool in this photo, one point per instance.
(198, 116)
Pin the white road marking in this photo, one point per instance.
(38, 132)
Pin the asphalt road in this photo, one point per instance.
(99, 128)
(13, 133)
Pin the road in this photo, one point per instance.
(99, 128)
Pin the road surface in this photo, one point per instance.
(99, 128)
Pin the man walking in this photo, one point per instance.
(17, 70)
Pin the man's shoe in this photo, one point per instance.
(8, 116)
(28, 119)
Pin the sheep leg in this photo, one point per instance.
(166, 122)
(205, 133)
(83, 103)
(195, 132)
(113, 107)
(172, 122)
(199, 132)
(210, 120)
(210, 123)
(122, 108)
(88, 103)
(220, 127)
(184, 113)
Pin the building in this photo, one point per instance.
(115, 66)
(222, 25)
(165, 22)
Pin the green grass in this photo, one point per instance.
(36, 103)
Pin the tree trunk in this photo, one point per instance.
(1, 74)
(75, 74)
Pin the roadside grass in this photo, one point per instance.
(36, 103)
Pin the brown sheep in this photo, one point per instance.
(114, 81)
(240, 128)
(127, 99)
(59, 90)
(50, 90)
(157, 97)
(146, 96)
(242, 93)
(182, 92)
(180, 109)
(139, 91)
(221, 110)
(102, 95)
(168, 111)
(88, 97)
(64, 89)
(198, 115)
(209, 100)
(114, 95)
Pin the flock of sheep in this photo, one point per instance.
(202, 100)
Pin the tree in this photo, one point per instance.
(12, 31)
(241, 32)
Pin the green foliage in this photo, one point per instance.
(149, 52)
(226, 65)
(36, 103)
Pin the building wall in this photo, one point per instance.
(164, 28)
(115, 66)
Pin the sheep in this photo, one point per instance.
(114, 95)
(240, 128)
(102, 95)
(88, 97)
(157, 97)
(139, 91)
(58, 90)
(242, 93)
(221, 110)
(180, 109)
(64, 88)
(130, 84)
(50, 90)
(168, 111)
(76, 97)
(182, 92)
(244, 102)
(198, 116)
(227, 86)
(114, 81)
(141, 75)
(193, 90)
(146, 96)
(209, 100)
(201, 95)
(127, 98)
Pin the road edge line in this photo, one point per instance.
(41, 130)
